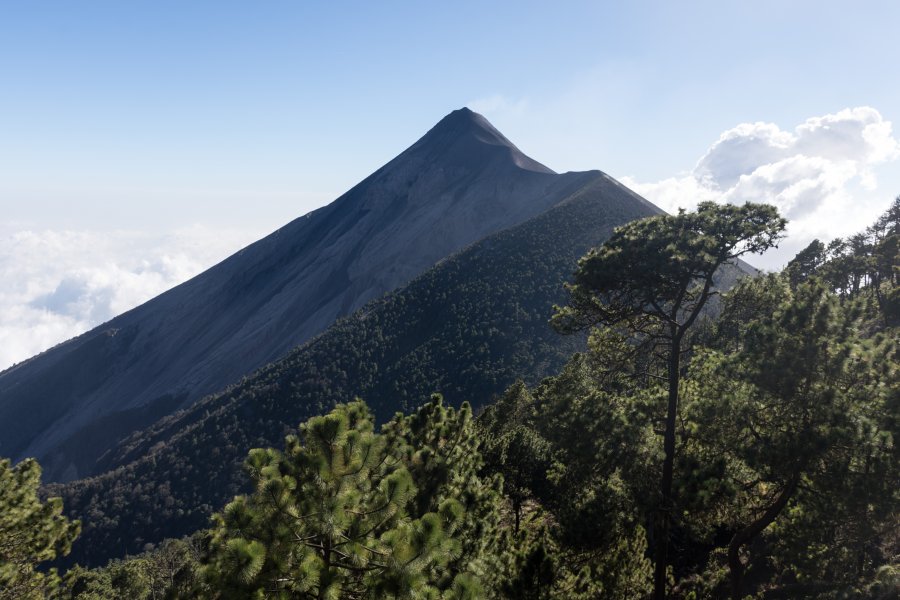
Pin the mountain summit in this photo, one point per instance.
(465, 137)
(468, 327)
(462, 181)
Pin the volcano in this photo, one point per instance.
(461, 182)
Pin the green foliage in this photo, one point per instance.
(661, 269)
(865, 264)
(168, 572)
(338, 514)
(792, 444)
(467, 328)
(441, 449)
(545, 570)
(577, 456)
(88, 584)
(31, 532)
(782, 455)
(786, 456)
(514, 448)
(806, 263)
(653, 278)
(601, 477)
(751, 299)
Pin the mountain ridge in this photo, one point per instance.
(461, 181)
(467, 327)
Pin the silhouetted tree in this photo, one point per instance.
(799, 424)
(653, 278)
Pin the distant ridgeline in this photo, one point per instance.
(466, 328)
(784, 476)
(481, 237)
(460, 182)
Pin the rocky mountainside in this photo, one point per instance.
(461, 182)
(468, 328)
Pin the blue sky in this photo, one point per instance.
(186, 129)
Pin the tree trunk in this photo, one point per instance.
(744, 536)
(326, 557)
(664, 515)
(517, 510)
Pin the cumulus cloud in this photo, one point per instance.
(58, 284)
(821, 175)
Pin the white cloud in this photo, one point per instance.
(670, 194)
(821, 175)
(498, 103)
(58, 284)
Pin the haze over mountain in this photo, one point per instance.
(459, 183)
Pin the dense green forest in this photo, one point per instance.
(683, 454)
(467, 328)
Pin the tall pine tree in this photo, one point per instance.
(653, 278)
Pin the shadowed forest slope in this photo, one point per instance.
(467, 328)
(460, 182)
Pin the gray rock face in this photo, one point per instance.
(459, 183)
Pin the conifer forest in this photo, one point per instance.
(684, 429)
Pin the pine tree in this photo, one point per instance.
(333, 516)
(793, 435)
(442, 451)
(653, 278)
(31, 532)
(578, 448)
(806, 263)
(514, 448)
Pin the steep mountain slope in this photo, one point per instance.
(462, 181)
(467, 328)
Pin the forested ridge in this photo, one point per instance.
(468, 328)
(750, 453)
(462, 181)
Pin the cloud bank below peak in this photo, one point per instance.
(821, 175)
(63, 283)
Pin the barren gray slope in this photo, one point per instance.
(462, 181)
